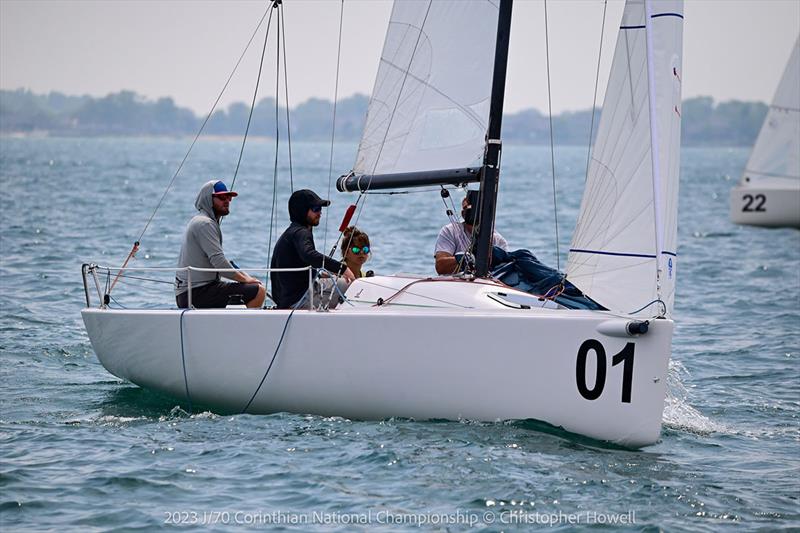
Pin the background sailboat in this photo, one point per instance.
(768, 193)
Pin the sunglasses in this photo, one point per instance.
(316, 209)
(357, 250)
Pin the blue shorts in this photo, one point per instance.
(218, 294)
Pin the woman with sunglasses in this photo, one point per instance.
(355, 250)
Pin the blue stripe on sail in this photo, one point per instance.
(781, 108)
(666, 15)
(652, 17)
(619, 254)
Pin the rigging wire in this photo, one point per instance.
(596, 82)
(399, 93)
(657, 300)
(274, 355)
(404, 289)
(116, 302)
(391, 117)
(578, 225)
(473, 237)
(145, 279)
(552, 143)
(450, 212)
(274, 206)
(183, 363)
(415, 191)
(358, 205)
(255, 95)
(131, 255)
(333, 125)
(208, 117)
(286, 92)
(136, 243)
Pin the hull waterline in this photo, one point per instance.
(485, 365)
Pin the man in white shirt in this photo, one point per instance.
(455, 239)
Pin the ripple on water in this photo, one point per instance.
(83, 450)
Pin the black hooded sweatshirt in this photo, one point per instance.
(295, 249)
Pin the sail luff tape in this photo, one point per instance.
(654, 144)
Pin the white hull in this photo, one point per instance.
(484, 363)
(771, 202)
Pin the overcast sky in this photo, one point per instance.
(733, 49)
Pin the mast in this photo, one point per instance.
(491, 160)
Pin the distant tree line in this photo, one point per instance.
(731, 123)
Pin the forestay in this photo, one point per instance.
(776, 153)
(623, 251)
(430, 104)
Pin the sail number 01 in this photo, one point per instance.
(625, 356)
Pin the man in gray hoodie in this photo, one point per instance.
(202, 248)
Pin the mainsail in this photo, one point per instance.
(776, 153)
(623, 251)
(430, 104)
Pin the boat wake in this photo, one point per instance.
(712, 234)
(678, 413)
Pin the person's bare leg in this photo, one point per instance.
(258, 301)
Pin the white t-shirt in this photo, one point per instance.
(454, 239)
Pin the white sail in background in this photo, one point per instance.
(776, 153)
(430, 105)
(623, 252)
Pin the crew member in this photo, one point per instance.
(295, 249)
(202, 248)
(455, 239)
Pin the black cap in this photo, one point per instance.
(303, 200)
(309, 198)
(473, 198)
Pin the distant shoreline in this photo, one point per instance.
(127, 114)
(260, 138)
(44, 134)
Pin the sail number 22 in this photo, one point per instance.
(625, 356)
(760, 200)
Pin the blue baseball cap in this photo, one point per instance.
(221, 190)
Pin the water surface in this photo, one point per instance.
(82, 450)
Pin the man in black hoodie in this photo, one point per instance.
(295, 249)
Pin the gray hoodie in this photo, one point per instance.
(202, 244)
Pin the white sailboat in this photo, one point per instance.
(768, 193)
(464, 347)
